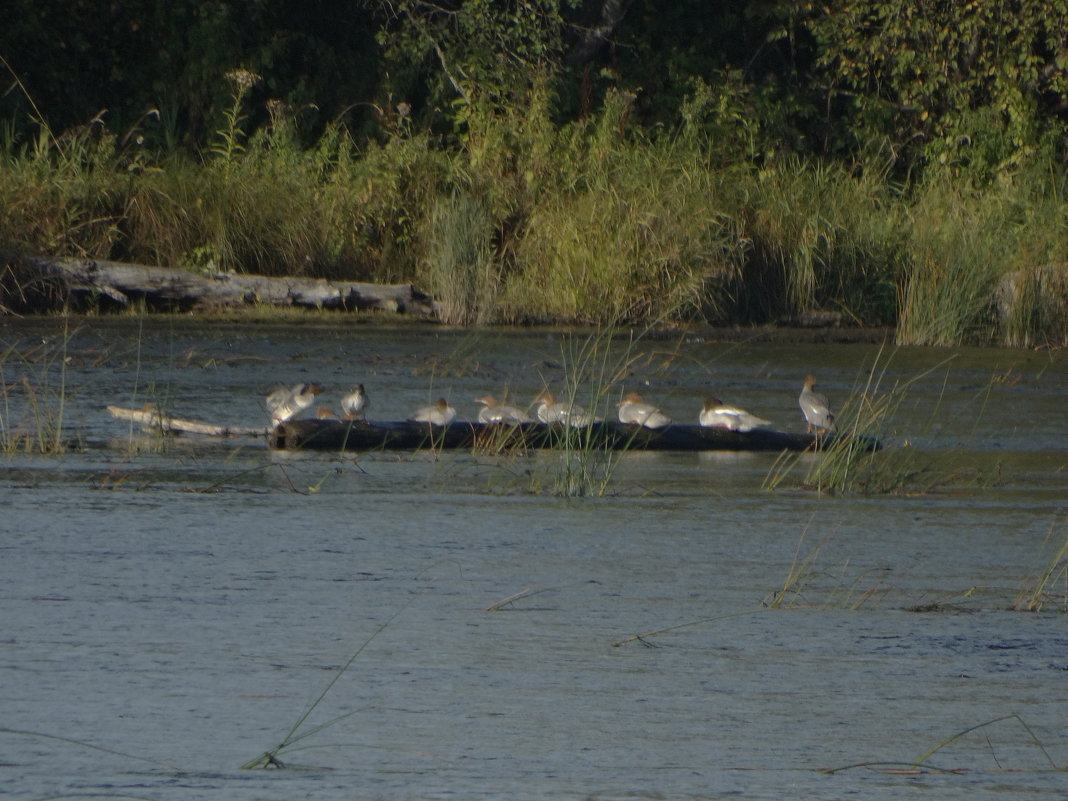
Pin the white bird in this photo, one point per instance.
(285, 403)
(578, 417)
(355, 404)
(548, 410)
(632, 409)
(493, 412)
(439, 413)
(551, 411)
(718, 414)
(815, 407)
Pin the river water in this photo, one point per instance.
(172, 608)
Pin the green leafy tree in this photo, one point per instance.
(979, 84)
(76, 58)
(470, 53)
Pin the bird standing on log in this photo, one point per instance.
(816, 408)
(355, 404)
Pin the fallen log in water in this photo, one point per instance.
(357, 435)
(176, 289)
(157, 421)
(360, 435)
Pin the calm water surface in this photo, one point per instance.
(170, 610)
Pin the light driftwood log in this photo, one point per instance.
(175, 288)
(157, 421)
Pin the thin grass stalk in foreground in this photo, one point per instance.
(84, 744)
(40, 416)
(269, 758)
(589, 461)
(847, 461)
(865, 416)
(970, 729)
(921, 764)
(587, 465)
(644, 637)
(1034, 598)
(498, 605)
(800, 573)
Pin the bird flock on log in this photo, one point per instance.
(288, 402)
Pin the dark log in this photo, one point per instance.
(360, 435)
(356, 435)
(177, 289)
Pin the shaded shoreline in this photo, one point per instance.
(102, 289)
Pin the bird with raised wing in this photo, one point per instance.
(439, 413)
(284, 403)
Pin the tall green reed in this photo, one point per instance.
(958, 250)
(1039, 591)
(521, 218)
(460, 268)
(986, 264)
(1032, 306)
(594, 369)
(823, 238)
(806, 586)
(638, 235)
(858, 457)
(33, 397)
(301, 729)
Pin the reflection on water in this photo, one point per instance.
(184, 602)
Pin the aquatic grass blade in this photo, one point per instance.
(269, 758)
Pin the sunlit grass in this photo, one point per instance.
(528, 220)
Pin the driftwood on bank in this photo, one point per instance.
(176, 289)
(157, 421)
(338, 435)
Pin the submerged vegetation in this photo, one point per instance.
(523, 170)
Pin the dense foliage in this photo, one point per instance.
(967, 82)
(556, 159)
